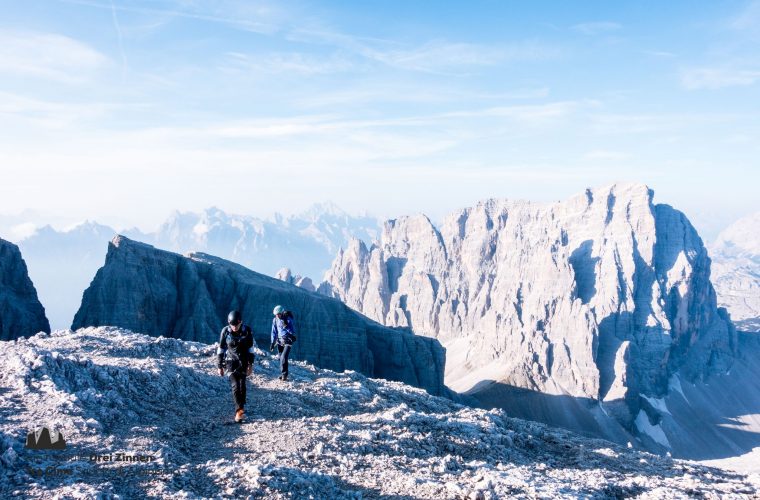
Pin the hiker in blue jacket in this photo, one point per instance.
(283, 336)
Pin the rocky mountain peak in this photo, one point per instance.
(605, 296)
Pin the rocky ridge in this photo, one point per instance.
(188, 297)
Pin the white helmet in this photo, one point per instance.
(278, 310)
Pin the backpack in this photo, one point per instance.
(233, 344)
(289, 338)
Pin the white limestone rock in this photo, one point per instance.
(600, 298)
(287, 276)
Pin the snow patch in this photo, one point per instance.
(657, 403)
(653, 431)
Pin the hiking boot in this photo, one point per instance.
(284, 377)
(239, 415)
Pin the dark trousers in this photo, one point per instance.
(284, 351)
(237, 381)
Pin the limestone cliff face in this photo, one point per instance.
(21, 314)
(602, 297)
(162, 293)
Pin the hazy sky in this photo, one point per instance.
(123, 111)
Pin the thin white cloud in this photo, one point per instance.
(287, 63)
(596, 28)
(23, 230)
(119, 39)
(749, 18)
(50, 114)
(660, 53)
(385, 92)
(17, 111)
(661, 124)
(534, 115)
(434, 56)
(443, 56)
(605, 155)
(47, 55)
(245, 19)
(718, 77)
(531, 114)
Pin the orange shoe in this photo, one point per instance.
(239, 415)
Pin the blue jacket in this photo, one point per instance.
(283, 330)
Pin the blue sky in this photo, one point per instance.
(123, 111)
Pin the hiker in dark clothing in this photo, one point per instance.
(235, 354)
(283, 336)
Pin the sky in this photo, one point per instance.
(122, 112)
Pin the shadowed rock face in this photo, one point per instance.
(21, 314)
(602, 298)
(162, 293)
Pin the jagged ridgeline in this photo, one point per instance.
(21, 314)
(591, 313)
(156, 292)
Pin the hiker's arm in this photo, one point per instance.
(221, 350)
(250, 352)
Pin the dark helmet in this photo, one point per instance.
(234, 317)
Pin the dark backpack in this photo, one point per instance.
(291, 338)
(234, 346)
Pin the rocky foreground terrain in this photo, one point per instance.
(331, 435)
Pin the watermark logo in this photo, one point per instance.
(43, 438)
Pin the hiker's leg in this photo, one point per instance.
(280, 349)
(284, 359)
(238, 389)
(243, 387)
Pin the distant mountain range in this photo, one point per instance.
(596, 313)
(736, 271)
(63, 263)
